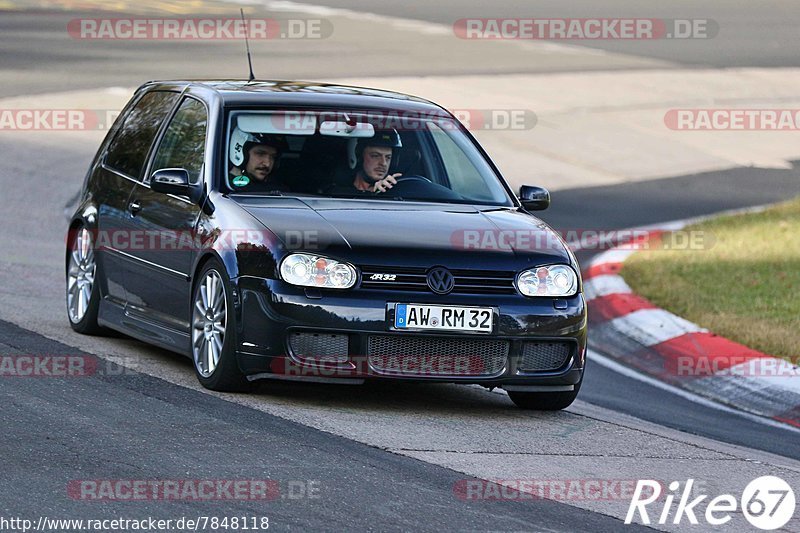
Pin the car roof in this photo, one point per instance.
(235, 93)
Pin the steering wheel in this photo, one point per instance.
(413, 178)
(420, 187)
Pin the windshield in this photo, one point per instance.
(346, 153)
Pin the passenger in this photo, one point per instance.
(255, 157)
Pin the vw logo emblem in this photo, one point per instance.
(440, 280)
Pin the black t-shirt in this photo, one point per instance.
(343, 186)
(346, 190)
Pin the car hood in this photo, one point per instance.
(410, 233)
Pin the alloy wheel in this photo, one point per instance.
(80, 276)
(209, 315)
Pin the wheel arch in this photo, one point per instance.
(86, 216)
(202, 260)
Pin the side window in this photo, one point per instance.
(184, 142)
(128, 150)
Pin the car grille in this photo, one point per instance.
(415, 279)
(436, 356)
(319, 346)
(543, 356)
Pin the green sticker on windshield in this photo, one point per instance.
(241, 181)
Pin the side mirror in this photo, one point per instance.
(170, 181)
(534, 198)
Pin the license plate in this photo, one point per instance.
(443, 318)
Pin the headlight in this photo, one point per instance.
(314, 271)
(553, 280)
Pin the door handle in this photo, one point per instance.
(134, 207)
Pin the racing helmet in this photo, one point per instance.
(386, 138)
(242, 141)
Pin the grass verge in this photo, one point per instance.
(738, 276)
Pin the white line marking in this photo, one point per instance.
(772, 370)
(700, 400)
(752, 395)
(653, 326)
(603, 286)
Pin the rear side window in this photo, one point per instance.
(128, 150)
(184, 142)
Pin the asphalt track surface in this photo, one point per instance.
(762, 34)
(137, 426)
(125, 425)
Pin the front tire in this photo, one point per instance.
(213, 331)
(83, 295)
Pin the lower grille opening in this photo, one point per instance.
(544, 356)
(319, 347)
(436, 356)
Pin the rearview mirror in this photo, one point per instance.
(347, 129)
(534, 198)
(170, 181)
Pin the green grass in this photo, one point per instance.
(743, 283)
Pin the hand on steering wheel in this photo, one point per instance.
(386, 183)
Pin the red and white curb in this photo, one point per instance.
(631, 330)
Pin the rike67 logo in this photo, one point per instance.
(767, 502)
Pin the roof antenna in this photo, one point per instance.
(247, 44)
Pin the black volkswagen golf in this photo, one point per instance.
(301, 231)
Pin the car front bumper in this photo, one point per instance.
(287, 332)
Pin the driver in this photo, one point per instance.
(255, 157)
(373, 157)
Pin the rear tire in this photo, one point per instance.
(213, 331)
(544, 401)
